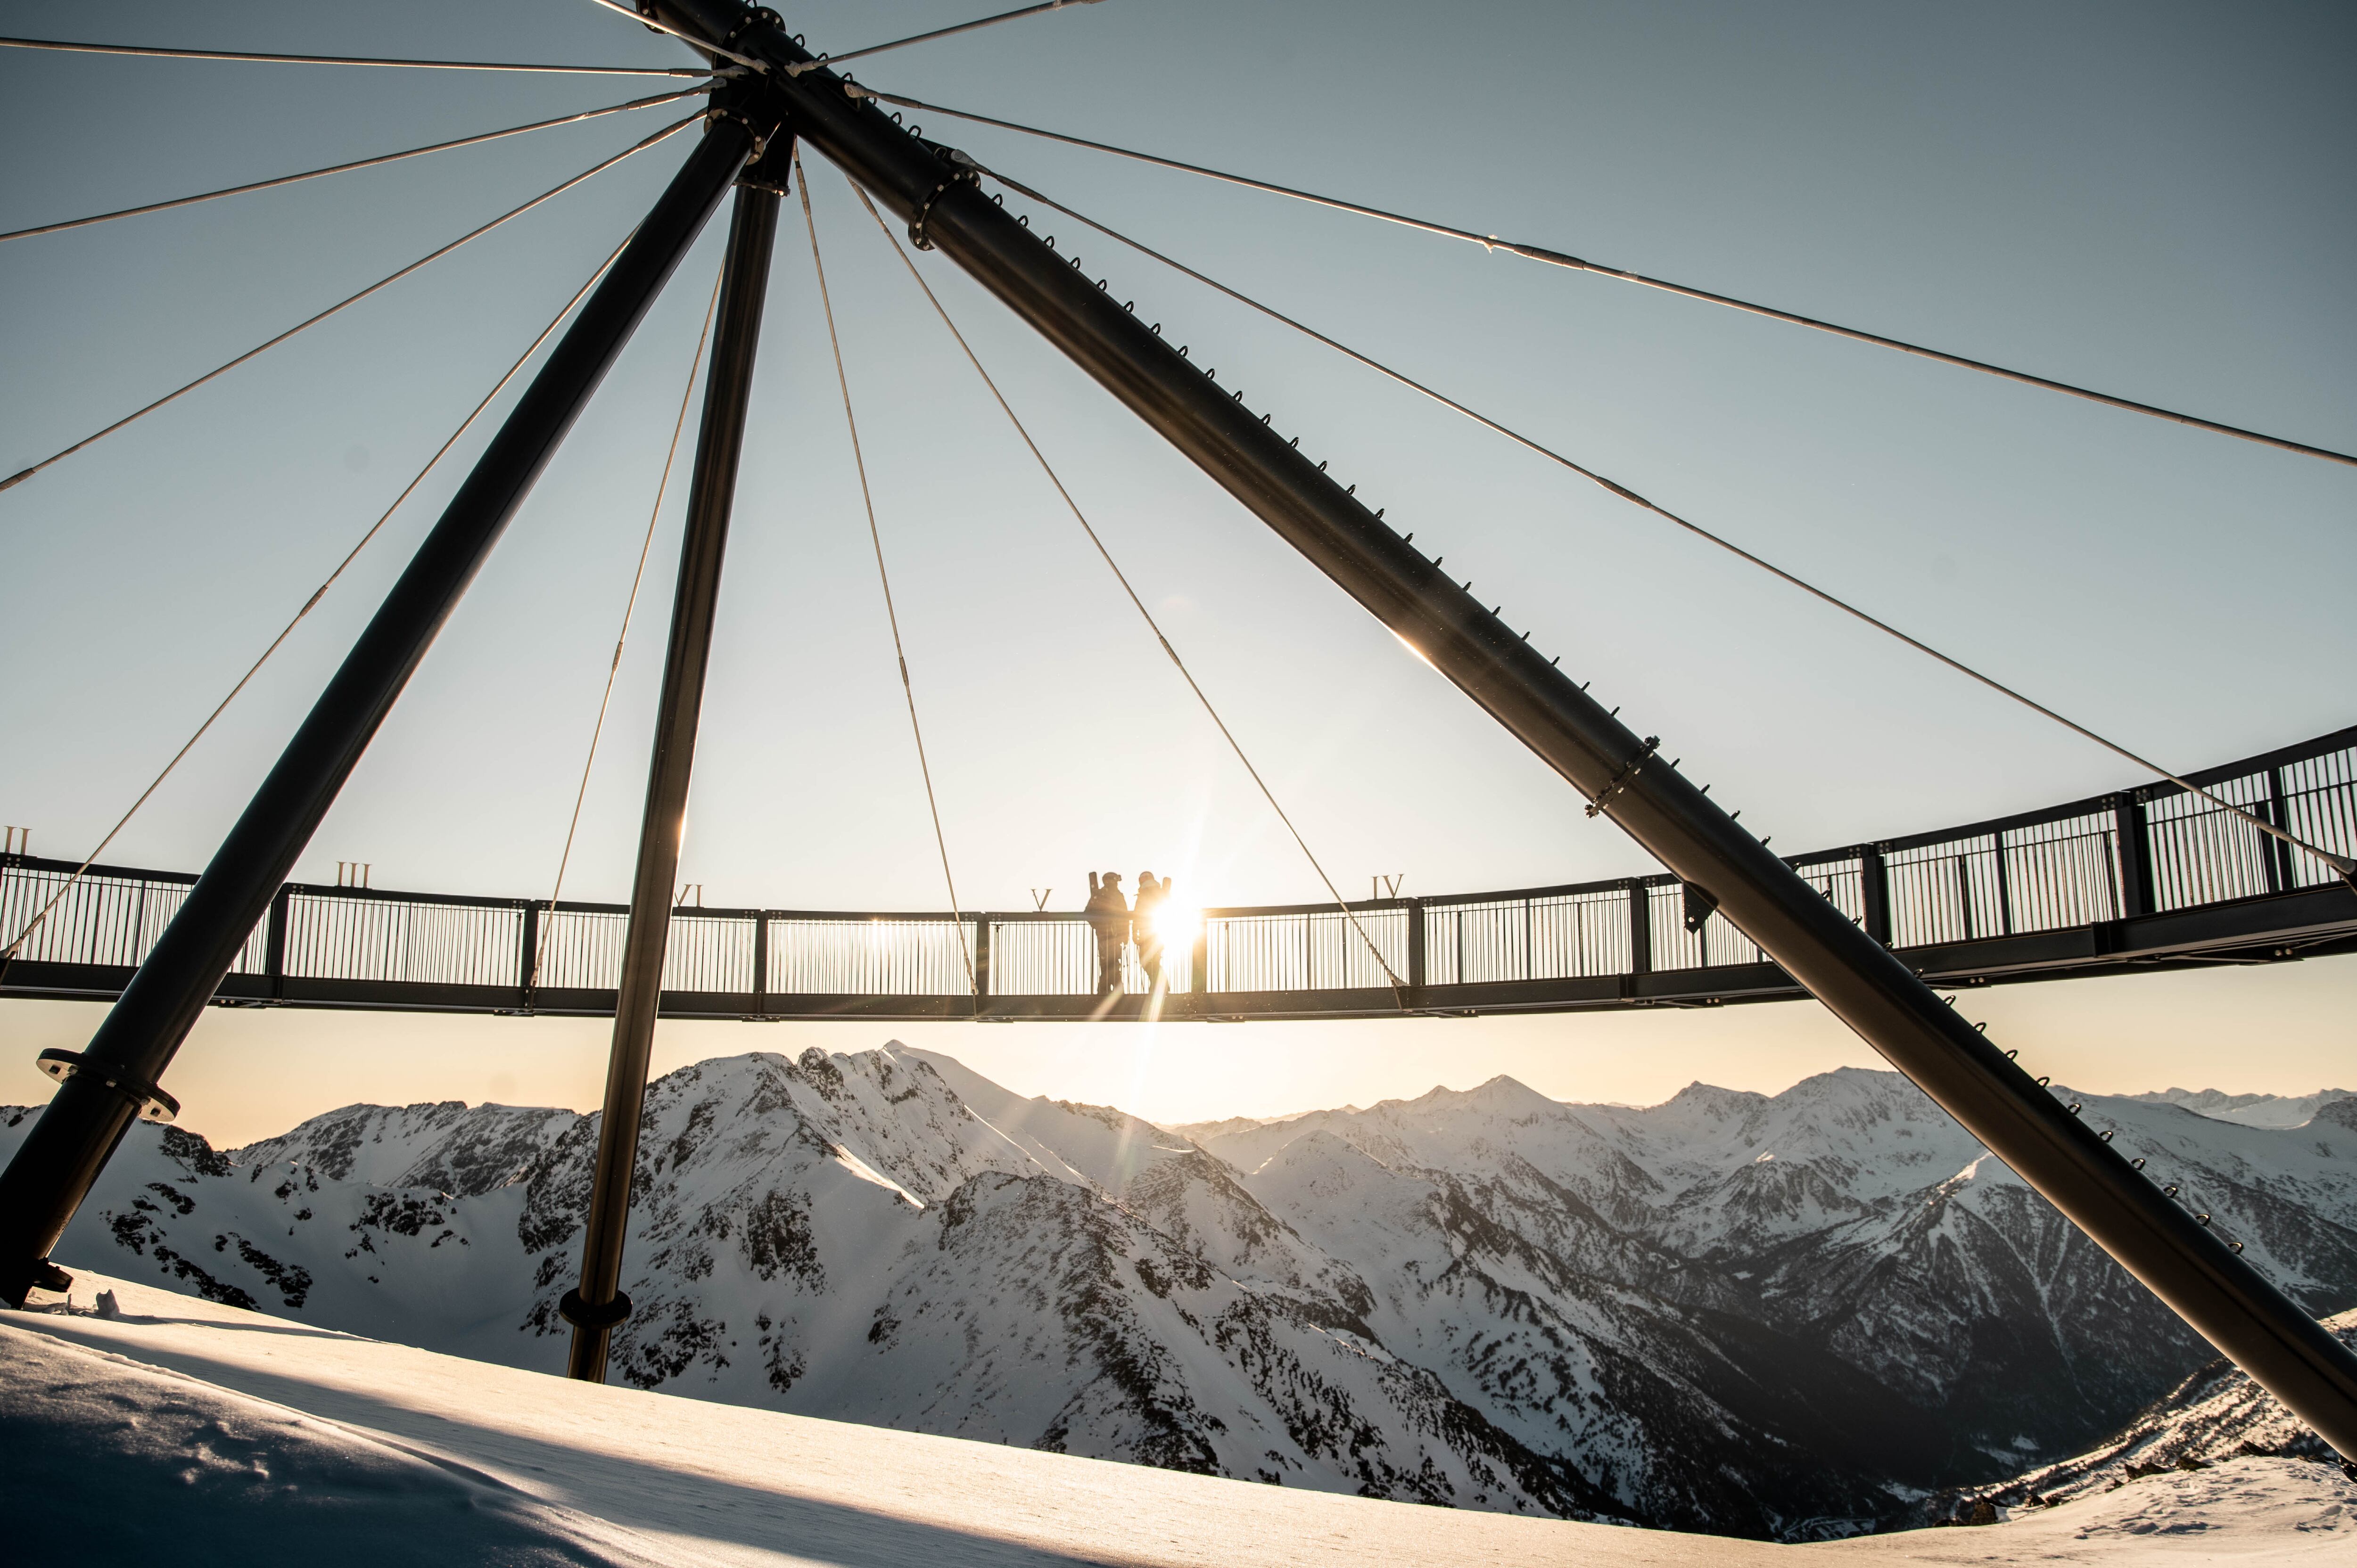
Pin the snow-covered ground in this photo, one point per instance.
(184, 1431)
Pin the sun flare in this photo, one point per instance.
(1177, 923)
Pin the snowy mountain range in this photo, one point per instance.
(2250, 1110)
(1777, 1315)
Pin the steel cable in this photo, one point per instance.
(829, 60)
(310, 604)
(23, 474)
(2343, 864)
(1558, 259)
(1399, 987)
(876, 537)
(629, 607)
(67, 47)
(360, 164)
(706, 45)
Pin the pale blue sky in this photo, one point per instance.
(2148, 199)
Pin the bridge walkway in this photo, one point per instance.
(2148, 878)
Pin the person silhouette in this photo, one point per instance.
(1108, 914)
(1142, 918)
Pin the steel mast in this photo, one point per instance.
(598, 1304)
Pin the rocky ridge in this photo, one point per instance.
(2216, 1415)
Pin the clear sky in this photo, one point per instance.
(2145, 198)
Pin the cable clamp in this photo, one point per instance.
(770, 168)
(1620, 780)
(969, 174)
(752, 128)
(154, 1104)
(754, 17)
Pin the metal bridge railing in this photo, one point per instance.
(109, 920)
(398, 941)
(1304, 950)
(2083, 864)
(881, 955)
(1562, 936)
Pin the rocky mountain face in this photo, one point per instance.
(1787, 1316)
(2216, 1414)
(1852, 1219)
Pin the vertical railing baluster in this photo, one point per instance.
(1641, 928)
(760, 963)
(2132, 830)
(2004, 889)
(273, 949)
(527, 953)
(1415, 946)
(2280, 876)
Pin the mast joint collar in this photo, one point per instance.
(1620, 780)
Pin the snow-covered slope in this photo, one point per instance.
(2216, 1415)
(183, 1431)
(113, 1461)
(1777, 1315)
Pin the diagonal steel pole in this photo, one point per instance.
(114, 1082)
(598, 1304)
(2183, 1262)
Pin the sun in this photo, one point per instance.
(1177, 923)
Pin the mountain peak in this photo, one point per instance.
(1701, 1096)
(1502, 1093)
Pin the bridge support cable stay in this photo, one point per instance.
(15, 943)
(645, 18)
(1399, 987)
(598, 1304)
(115, 1079)
(380, 159)
(2340, 864)
(622, 638)
(350, 300)
(67, 47)
(936, 33)
(1558, 259)
(2223, 1297)
(884, 578)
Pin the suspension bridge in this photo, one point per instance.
(2252, 861)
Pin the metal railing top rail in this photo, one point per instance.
(97, 872)
(2322, 745)
(2208, 778)
(1328, 906)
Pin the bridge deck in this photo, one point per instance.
(2149, 878)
